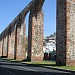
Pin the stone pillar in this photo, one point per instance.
(2, 44)
(5, 47)
(61, 33)
(7, 43)
(11, 43)
(65, 35)
(35, 36)
(70, 51)
(0, 47)
(21, 40)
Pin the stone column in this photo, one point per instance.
(65, 35)
(35, 36)
(2, 44)
(5, 47)
(70, 51)
(61, 33)
(11, 43)
(0, 47)
(21, 40)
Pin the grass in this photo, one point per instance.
(42, 63)
(7, 59)
(12, 60)
(66, 67)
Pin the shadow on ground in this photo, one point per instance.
(21, 72)
(24, 72)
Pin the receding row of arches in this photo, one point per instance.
(13, 38)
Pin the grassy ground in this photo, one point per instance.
(66, 67)
(42, 63)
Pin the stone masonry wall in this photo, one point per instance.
(11, 43)
(65, 32)
(0, 47)
(70, 55)
(13, 40)
(5, 47)
(35, 37)
(36, 33)
(61, 33)
(21, 40)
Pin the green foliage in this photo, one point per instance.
(43, 62)
(26, 47)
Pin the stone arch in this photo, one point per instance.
(65, 33)
(16, 36)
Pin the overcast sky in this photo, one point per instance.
(9, 9)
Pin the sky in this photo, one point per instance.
(9, 9)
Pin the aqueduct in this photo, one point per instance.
(13, 38)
